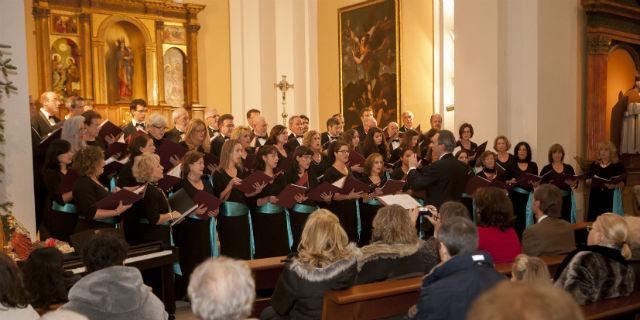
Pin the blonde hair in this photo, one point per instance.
(323, 241)
(633, 239)
(306, 138)
(613, 151)
(506, 141)
(191, 127)
(392, 225)
(615, 231)
(143, 166)
(239, 130)
(530, 269)
(226, 152)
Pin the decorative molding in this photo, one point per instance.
(167, 9)
(159, 24)
(598, 44)
(193, 28)
(40, 13)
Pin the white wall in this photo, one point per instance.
(17, 184)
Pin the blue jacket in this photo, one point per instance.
(449, 291)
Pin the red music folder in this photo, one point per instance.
(114, 149)
(125, 196)
(287, 197)
(209, 160)
(355, 185)
(474, 183)
(528, 179)
(168, 183)
(108, 128)
(356, 158)
(203, 198)
(247, 183)
(325, 187)
(601, 182)
(283, 165)
(169, 149)
(112, 166)
(392, 186)
(67, 182)
(249, 162)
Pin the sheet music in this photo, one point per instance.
(340, 182)
(176, 171)
(404, 200)
(132, 259)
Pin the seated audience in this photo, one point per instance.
(62, 314)
(600, 270)
(395, 251)
(495, 231)
(325, 261)
(465, 273)
(521, 300)
(14, 299)
(634, 243)
(447, 211)
(530, 269)
(45, 279)
(111, 290)
(222, 288)
(551, 235)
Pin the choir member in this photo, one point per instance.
(463, 157)
(553, 173)
(488, 170)
(88, 164)
(259, 132)
(352, 138)
(73, 131)
(196, 136)
(374, 175)
(344, 205)
(251, 114)
(340, 118)
(92, 121)
(46, 119)
(300, 174)
(607, 198)
(467, 199)
(138, 110)
(374, 142)
(436, 121)
(334, 129)
(243, 134)
(269, 219)
(60, 214)
(278, 139)
(140, 144)
(319, 162)
(194, 235)
(365, 115)
(295, 138)
(157, 127)
(465, 133)
(211, 118)
(522, 196)
(409, 141)
(180, 118)
(392, 133)
(74, 105)
(407, 121)
(425, 147)
(152, 215)
(400, 172)
(305, 123)
(504, 159)
(225, 125)
(233, 221)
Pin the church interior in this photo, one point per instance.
(543, 72)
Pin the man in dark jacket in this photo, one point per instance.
(450, 289)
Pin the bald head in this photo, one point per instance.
(259, 126)
(436, 121)
(50, 102)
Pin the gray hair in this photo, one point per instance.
(70, 130)
(157, 120)
(459, 235)
(446, 138)
(222, 288)
(178, 112)
(452, 209)
(210, 112)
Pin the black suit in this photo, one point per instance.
(216, 145)
(130, 129)
(443, 180)
(292, 144)
(174, 135)
(41, 125)
(326, 138)
(360, 129)
(40, 128)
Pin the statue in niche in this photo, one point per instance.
(124, 59)
(630, 139)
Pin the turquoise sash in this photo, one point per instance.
(529, 210)
(373, 202)
(566, 193)
(112, 184)
(237, 209)
(176, 265)
(270, 208)
(67, 208)
(304, 208)
(617, 202)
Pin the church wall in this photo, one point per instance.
(416, 66)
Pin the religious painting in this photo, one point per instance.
(64, 67)
(369, 67)
(174, 77)
(174, 35)
(62, 24)
(124, 68)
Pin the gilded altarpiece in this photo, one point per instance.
(113, 51)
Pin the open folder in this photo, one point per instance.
(181, 201)
(125, 196)
(404, 200)
(107, 128)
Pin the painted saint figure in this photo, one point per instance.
(124, 57)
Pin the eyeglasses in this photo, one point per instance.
(343, 151)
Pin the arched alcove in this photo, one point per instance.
(125, 59)
(174, 77)
(621, 72)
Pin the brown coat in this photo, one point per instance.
(551, 236)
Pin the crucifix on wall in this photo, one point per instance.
(284, 85)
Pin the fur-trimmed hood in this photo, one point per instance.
(313, 274)
(378, 250)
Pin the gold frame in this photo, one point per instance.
(74, 17)
(398, 43)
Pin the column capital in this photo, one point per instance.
(598, 43)
(193, 28)
(159, 24)
(40, 13)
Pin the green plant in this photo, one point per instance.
(6, 85)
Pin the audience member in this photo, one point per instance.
(465, 273)
(14, 299)
(45, 279)
(111, 290)
(600, 270)
(530, 269)
(551, 235)
(495, 231)
(222, 289)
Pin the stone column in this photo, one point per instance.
(598, 46)
(86, 75)
(192, 64)
(43, 48)
(160, 60)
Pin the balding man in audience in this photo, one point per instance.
(436, 121)
(180, 117)
(464, 274)
(407, 121)
(211, 118)
(46, 119)
(260, 133)
(222, 289)
(551, 235)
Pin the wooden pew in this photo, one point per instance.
(265, 274)
(389, 298)
(616, 308)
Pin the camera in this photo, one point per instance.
(424, 211)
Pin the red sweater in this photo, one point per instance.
(503, 246)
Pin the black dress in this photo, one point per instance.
(125, 175)
(346, 210)
(319, 168)
(507, 166)
(300, 212)
(98, 142)
(60, 218)
(471, 150)
(233, 230)
(520, 196)
(86, 193)
(550, 175)
(140, 222)
(368, 211)
(270, 233)
(601, 199)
